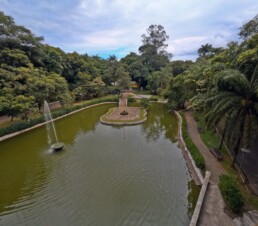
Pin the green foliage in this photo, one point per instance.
(176, 93)
(195, 153)
(249, 29)
(231, 193)
(153, 98)
(158, 80)
(34, 121)
(131, 99)
(16, 105)
(21, 125)
(153, 52)
(18, 37)
(235, 104)
(123, 78)
(180, 66)
(145, 102)
(205, 50)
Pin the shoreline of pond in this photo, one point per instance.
(5, 137)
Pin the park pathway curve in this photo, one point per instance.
(211, 162)
(212, 212)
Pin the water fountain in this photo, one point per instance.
(57, 146)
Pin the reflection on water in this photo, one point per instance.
(160, 121)
(105, 176)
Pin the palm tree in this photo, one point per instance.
(236, 104)
(205, 49)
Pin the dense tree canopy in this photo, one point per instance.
(31, 72)
(222, 83)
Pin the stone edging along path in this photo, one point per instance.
(195, 172)
(43, 123)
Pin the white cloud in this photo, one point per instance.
(115, 25)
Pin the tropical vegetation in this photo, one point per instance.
(231, 193)
(222, 84)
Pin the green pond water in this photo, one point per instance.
(105, 176)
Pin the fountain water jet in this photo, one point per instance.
(48, 117)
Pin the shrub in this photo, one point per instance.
(34, 121)
(21, 125)
(195, 153)
(130, 99)
(145, 102)
(152, 98)
(231, 193)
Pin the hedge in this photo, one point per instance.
(153, 98)
(195, 153)
(130, 99)
(231, 193)
(34, 121)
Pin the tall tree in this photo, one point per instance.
(249, 29)
(205, 50)
(236, 102)
(13, 36)
(153, 51)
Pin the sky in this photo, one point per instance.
(114, 27)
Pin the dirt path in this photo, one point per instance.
(211, 162)
(212, 212)
(123, 100)
(4, 119)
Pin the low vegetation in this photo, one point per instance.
(153, 98)
(212, 139)
(131, 99)
(197, 157)
(231, 193)
(145, 102)
(34, 121)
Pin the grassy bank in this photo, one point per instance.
(57, 113)
(195, 153)
(212, 139)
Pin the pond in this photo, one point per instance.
(133, 175)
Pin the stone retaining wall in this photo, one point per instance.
(195, 171)
(199, 180)
(41, 124)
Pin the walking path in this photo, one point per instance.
(211, 162)
(212, 212)
(123, 100)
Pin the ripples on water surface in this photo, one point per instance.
(106, 176)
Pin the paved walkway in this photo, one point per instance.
(123, 100)
(212, 212)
